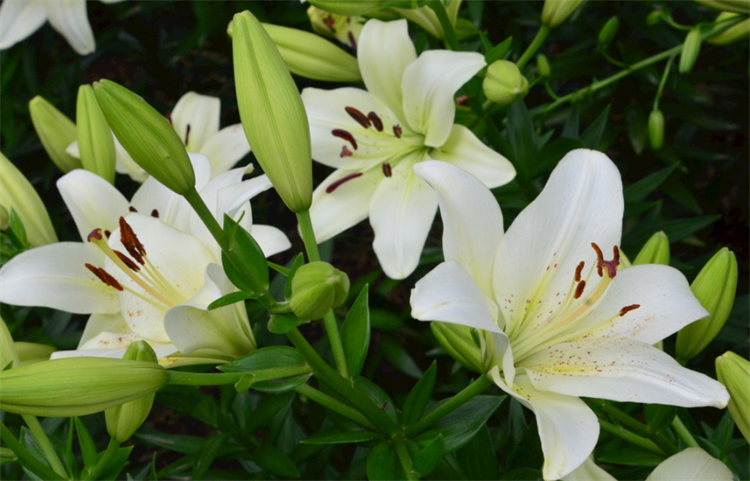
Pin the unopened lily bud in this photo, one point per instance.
(542, 66)
(341, 27)
(733, 33)
(147, 136)
(608, 31)
(655, 251)
(316, 288)
(55, 131)
(77, 386)
(272, 112)
(18, 194)
(736, 6)
(656, 129)
(690, 50)
(654, 18)
(556, 11)
(31, 352)
(733, 372)
(459, 343)
(8, 353)
(504, 83)
(124, 420)
(347, 7)
(95, 142)
(715, 287)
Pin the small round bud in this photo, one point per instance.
(608, 31)
(654, 18)
(56, 132)
(690, 50)
(656, 129)
(542, 66)
(504, 83)
(656, 251)
(733, 372)
(317, 287)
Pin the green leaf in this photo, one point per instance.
(271, 458)
(638, 191)
(377, 395)
(520, 132)
(592, 137)
(283, 323)
(172, 442)
(268, 408)
(86, 442)
(253, 270)
(498, 51)
(462, 424)
(383, 464)
(281, 385)
(18, 230)
(207, 454)
(385, 320)
(659, 416)
(478, 458)
(551, 154)
(636, 126)
(298, 262)
(355, 333)
(342, 438)
(231, 298)
(117, 463)
(265, 358)
(572, 123)
(397, 355)
(679, 229)
(419, 396)
(429, 457)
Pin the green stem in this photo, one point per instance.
(541, 36)
(104, 461)
(329, 376)
(448, 31)
(203, 379)
(683, 433)
(200, 208)
(405, 458)
(25, 457)
(334, 405)
(632, 438)
(308, 235)
(662, 441)
(662, 83)
(475, 388)
(44, 443)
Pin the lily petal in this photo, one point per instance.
(428, 87)
(195, 118)
(270, 239)
(463, 149)
(383, 53)
(589, 471)
(99, 323)
(472, 220)
(692, 464)
(401, 213)
(621, 370)
(93, 202)
(69, 17)
(124, 164)
(225, 148)
(19, 19)
(55, 276)
(161, 351)
(449, 294)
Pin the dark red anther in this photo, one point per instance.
(131, 242)
(579, 289)
(127, 261)
(387, 169)
(104, 276)
(345, 152)
(95, 234)
(352, 40)
(610, 265)
(132, 209)
(343, 134)
(578, 271)
(107, 233)
(335, 185)
(629, 308)
(376, 121)
(462, 100)
(155, 214)
(187, 134)
(358, 116)
(397, 130)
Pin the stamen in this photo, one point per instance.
(343, 134)
(107, 233)
(387, 169)
(376, 121)
(104, 276)
(131, 242)
(629, 308)
(358, 116)
(599, 259)
(329, 21)
(352, 40)
(132, 209)
(579, 289)
(187, 134)
(95, 234)
(397, 131)
(462, 100)
(335, 185)
(155, 213)
(345, 152)
(578, 271)
(127, 261)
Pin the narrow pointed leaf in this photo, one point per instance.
(419, 396)
(231, 298)
(282, 323)
(398, 356)
(343, 438)
(592, 137)
(382, 463)
(86, 442)
(460, 426)
(273, 459)
(638, 191)
(429, 457)
(355, 333)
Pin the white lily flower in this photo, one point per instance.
(21, 18)
(195, 118)
(148, 270)
(564, 322)
(374, 137)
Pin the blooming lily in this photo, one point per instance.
(374, 137)
(562, 320)
(147, 269)
(21, 18)
(195, 117)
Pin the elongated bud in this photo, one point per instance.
(690, 50)
(77, 386)
(317, 287)
(542, 66)
(147, 136)
(654, 18)
(715, 287)
(733, 33)
(736, 6)
(733, 372)
(504, 83)
(608, 32)
(272, 112)
(347, 7)
(556, 11)
(656, 129)
(124, 420)
(18, 194)
(8, 354)
(31, 352)
(95, 142)
(345, 29)
(655, 251)
(459, 343)
(55, 131)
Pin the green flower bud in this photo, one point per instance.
(736, 6)
(655, 251)
(147, 136)
(542, 66)
(733, 372)
(18, 194)
(272, 112)
(77, 386)
(459, 343)
(715, 287)
(347, 7)
(732, 34)
(316, 288)
(124, 420)
(55, 131)
(95, 142)
(690, 50)
(654, 18)
(8, 353)
(504, 83)
(656, 129)
(31, 352)
(608, 31)
(556, 11)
